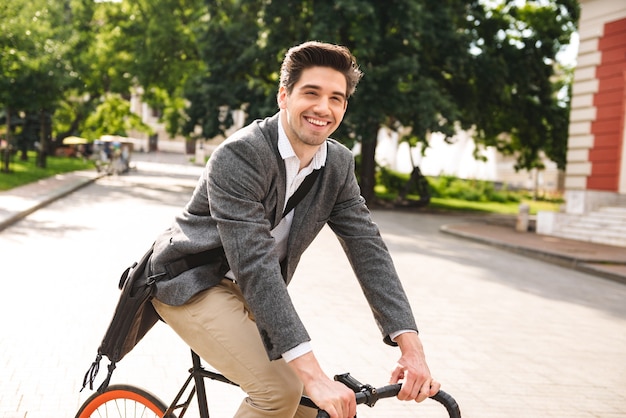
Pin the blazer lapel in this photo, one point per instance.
(279, 190)
(269, 129)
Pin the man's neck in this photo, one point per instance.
(304, 152)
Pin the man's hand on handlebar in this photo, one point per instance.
(333, 397)
(412, 370)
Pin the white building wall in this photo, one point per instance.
(457, 159)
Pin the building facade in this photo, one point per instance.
(595, 178)
(596, 159)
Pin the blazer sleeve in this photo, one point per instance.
(370, 260)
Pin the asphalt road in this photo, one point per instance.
(506, 334)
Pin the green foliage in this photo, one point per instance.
(452, 193)
(112, 117)
(470, 190)
(235, 69)
(33, 54)
(449, 187)
(392, 181)
(152, 46)
(395, 183)
(429, 66)
(517, 102)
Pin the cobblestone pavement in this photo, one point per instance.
(506, 333)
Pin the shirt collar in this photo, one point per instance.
(286, 150)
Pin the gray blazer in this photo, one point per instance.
(239, 199)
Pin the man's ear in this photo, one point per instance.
(281, 98)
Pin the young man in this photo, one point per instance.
(226, 261)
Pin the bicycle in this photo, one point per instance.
(131, 401)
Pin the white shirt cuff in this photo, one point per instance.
(394, 335)
(297, 351)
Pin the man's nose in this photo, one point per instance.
(322, 105)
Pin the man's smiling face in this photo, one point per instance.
(315, 106)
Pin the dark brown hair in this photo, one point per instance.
(319, 54)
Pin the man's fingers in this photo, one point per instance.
(434, 387)
(397, 374)
(344, 405)
(428, 389)
(424, 392)
(413, 390)
(348, 404)
(410, 389)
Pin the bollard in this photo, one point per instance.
(522, 218)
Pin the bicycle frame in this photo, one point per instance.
(365, 394)
(197, 374)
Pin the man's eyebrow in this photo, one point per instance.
(316, 87)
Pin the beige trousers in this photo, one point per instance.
(218, 326)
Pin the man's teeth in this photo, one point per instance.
(317, 122)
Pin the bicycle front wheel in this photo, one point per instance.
(122, 401)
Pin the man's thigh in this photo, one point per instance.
(217, 325)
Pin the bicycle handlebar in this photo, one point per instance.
(370, 395)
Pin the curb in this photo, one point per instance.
(543, 255)
(58, 194)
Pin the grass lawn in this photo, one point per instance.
(24, 172)
(511, 208)
(452, 204)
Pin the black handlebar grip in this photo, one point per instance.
(388, 391)
(449, 403)
(392, 390)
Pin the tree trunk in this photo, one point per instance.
(6, 155)
(190, 146)
(368, 163)
(43, 146)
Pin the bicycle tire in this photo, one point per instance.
(123, 401)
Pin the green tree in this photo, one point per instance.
(127, 46)
(413, 54)
(519, 100)
(101, 68)
(430, 66)
(155, 49)
(35, 44)
(235, 67)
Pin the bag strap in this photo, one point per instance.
(191, 261)
(302, 191)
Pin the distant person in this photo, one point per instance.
(224, 265)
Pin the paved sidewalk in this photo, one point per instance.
(20, 202)
(597, 259)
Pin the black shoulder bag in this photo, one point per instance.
(133, 317)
